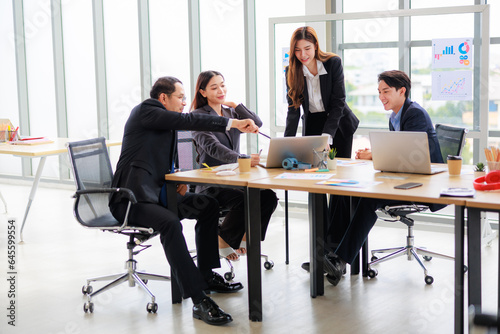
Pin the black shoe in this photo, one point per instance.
(218, 284)
(208, 311)
(335, 267)
(307, 265)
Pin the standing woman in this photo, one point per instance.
(315, 81)
(222, 148)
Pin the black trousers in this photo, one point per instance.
(232, 228)
(363, 219)
(335, 224)
(193, 206)
(313, 126)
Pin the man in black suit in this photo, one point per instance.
(148, 152)
(394, 90)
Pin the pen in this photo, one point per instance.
(208, 167)
(14, 135)
(260, 151)
(260, 133)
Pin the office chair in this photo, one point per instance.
(93, 176)
(189, 159)
(451, 141)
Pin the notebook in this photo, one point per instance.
(300, 148)
(402, 152)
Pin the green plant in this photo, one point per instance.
(479, 167)
(332, 153)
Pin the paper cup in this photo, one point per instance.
(454, 164)
(244, 163)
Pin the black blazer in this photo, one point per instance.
(218, 148)
(416, 118)
(150, 145)
(339, 115)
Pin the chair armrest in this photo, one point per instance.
(127, 192)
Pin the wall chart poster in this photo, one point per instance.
(452, 85)
(452, 53)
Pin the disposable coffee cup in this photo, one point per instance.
(244, 163)
(454, 164)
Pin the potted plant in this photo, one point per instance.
(479, 169)
(331, 162)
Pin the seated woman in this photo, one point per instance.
(223, 148)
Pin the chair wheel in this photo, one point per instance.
(429, 280)
(374, 258)
(229, 276)
(152, 307)
(372, 273)
(88, 307)
(87, 289)
(427, 258)
(268, 265)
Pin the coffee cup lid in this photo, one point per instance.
(244, 156)
(454, 157)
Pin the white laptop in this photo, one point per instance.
(403, 152)
(300, 148)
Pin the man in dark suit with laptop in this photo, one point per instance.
(148, 152)
(394, 89)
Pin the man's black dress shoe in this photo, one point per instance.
(335, 268)
(307, 265)
(218, 284)
(208, 311)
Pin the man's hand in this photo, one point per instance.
(364, 154)
(245, 125)
(181, 189)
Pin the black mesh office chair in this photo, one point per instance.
(451, 141)
(93, 175)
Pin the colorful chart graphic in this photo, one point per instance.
(452, 53)
(452, 85)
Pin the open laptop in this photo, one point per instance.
(403, 152)
(300, 148)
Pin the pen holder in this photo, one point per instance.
(493, 165)
(7, 136)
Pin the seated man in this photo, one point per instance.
(148, 151)
(394, 89)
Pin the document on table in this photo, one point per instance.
(348, 183)
(347, 163)
(304, 176)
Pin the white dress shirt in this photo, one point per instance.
(314, 91)
(314, 88)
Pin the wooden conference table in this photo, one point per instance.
(260, 178)
(42, 151)
(483, 201)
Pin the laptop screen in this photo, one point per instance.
(400, 151)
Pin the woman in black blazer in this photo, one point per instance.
(218, 148)
(315, 81)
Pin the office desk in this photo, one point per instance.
(265, 179)
(427, 193)
(41, 151)
(483, 201)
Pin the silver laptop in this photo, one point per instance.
(403, 152)
(300, 148)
